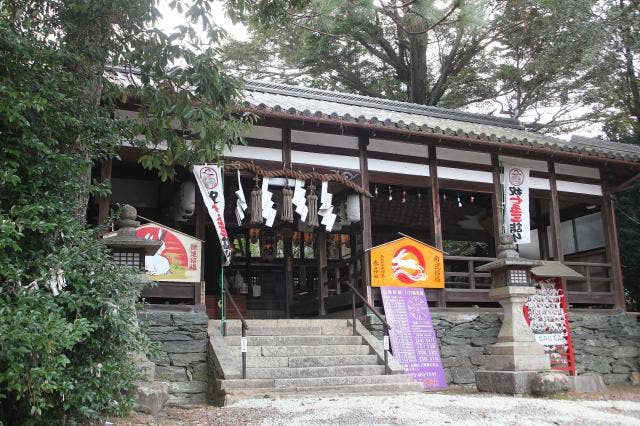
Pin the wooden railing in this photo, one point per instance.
(597, 286)
(463, 285)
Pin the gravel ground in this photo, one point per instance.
(616, 407)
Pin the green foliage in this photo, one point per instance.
(52, 347)
(628, 221)
(66, 357)
(529, 60)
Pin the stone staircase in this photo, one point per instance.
(302, 356)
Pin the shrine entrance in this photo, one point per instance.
(287, 270)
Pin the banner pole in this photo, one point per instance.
(503, 199)
(223, 294)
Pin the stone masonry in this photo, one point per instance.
(182, 359)
(608, 344)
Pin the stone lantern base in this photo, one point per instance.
(516, 358)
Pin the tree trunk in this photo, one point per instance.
(92, 100)
(418, 68)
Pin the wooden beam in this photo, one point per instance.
(338, 126)
(365, 218)
(322, 270)
(435, 208)
(612, 247)
(103, 202)
(496, 200)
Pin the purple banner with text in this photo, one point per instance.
(413, 339)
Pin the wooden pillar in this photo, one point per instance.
(103, 202)
(496, 200)
(543, 241)
(199, 217)
(322, 270)
(365, 218)
(435, 212)
(286, 147)
(554, 218)
(288, 277)
(199, 230)
(613, 249)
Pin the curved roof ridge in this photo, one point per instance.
(379, 103)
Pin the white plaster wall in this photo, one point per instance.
(324, 139)
(464, 156)
(254, 153)
(264, 132)
(325, 160)
(398, 167)
(395, 147)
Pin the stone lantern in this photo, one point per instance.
(516, 357)
(126, 247)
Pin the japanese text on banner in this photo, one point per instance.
(516, 203)
(209, 180)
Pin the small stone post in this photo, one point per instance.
(516, 357)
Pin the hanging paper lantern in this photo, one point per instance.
(390, 195)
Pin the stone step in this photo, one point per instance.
(311, 382)
(332, 360)
(367, 389)
(295, 340)
(310, 361)
(286, 351)
(347, 390)
(299, 372)
(275, 331)
(267, 361)
(322, 323)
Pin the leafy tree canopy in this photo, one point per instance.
(65, 356)
(528, 60)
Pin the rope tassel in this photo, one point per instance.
(256, 205)
(287, 206)
(312, 205)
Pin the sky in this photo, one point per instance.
(170, 19)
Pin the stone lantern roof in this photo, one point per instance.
(126, 238)
(508, 257)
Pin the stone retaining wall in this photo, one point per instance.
(182, 361)
(608, 344)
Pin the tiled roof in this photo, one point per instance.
(343, 107)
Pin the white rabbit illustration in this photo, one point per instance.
(157, 264)
(410, 268)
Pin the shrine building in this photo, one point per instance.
(431, 173)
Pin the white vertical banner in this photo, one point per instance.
(209, 180)
(516, 203)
